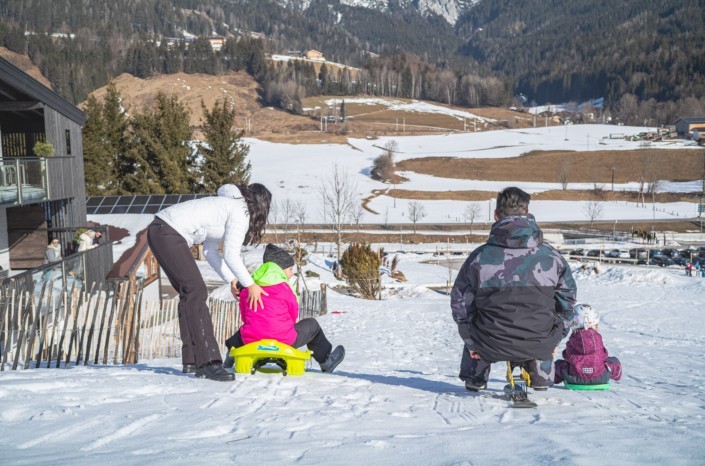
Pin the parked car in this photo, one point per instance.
(638, 253)
(577, 252)
(595, 253)
(661, 261)
(680, 260)
(687, 253)
(669, 252)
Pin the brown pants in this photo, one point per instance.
(198, 344)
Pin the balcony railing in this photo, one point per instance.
(23, 180)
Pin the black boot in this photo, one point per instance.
(229, 362)
(334, 358)
(214, 371)
(189, 368)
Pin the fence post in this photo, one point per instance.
(324, 299)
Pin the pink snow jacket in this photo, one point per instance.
(586, 360)
(281, 309)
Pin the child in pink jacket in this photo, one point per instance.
(585, 358)
(277, 320)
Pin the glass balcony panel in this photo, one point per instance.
(34, 180)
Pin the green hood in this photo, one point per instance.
(269, 274)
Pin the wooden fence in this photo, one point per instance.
(57, 325)
(159, 325)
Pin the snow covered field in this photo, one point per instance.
(296, 172)
(396, 398)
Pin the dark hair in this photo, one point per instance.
(258, 199)
(512, 201)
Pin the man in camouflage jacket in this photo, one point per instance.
(513, 297)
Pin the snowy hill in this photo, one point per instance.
(396, 398)
(450, 10)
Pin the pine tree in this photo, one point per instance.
(104, 143)
(361, 269)
(96, 155)
(224, 152)
(160, 159)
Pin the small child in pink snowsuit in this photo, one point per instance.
(585, 358)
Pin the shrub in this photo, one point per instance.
(383, 167)
(311, 274)
(43, 149)
(361, 269)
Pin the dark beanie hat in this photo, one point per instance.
(279, 256)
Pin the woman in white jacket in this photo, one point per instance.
(237, 217)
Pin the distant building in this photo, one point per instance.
(217, 42)
(685, 127)
(295, 53)
(314, 55)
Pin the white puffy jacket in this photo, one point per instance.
(211, 219)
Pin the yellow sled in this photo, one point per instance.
(256, 355)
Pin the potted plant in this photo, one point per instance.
(43, 149)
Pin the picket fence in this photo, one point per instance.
(65, 324)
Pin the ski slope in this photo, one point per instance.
(396, 398)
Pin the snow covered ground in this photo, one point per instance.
(396, 398)
(297, 171)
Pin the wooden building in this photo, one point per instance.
(686, 127)
(39, 196)
(314, 55)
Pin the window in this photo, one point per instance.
(68, 142)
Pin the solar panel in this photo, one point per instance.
(140, 204)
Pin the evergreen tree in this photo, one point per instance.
(104, 143)
(224, 152)
(160, 159)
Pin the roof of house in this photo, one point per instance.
(692, 119)
(16, 85)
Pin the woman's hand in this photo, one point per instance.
(254, 296)
(474, 354)
(234, 289)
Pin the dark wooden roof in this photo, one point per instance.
(16, 85)
(692, 119)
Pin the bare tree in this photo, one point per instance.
(564, 173)
(299, 215)
(338, 194)
(286, 213)
(274, 219)
(356, 215)
(593, 211)
(472, 212)
(416, 212)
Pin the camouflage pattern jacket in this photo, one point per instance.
(513, 298)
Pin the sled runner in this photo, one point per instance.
(256, 355)
(517, 386)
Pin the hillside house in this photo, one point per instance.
(685, 127)
(40, 197)
(217, 42)
(314, 55)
